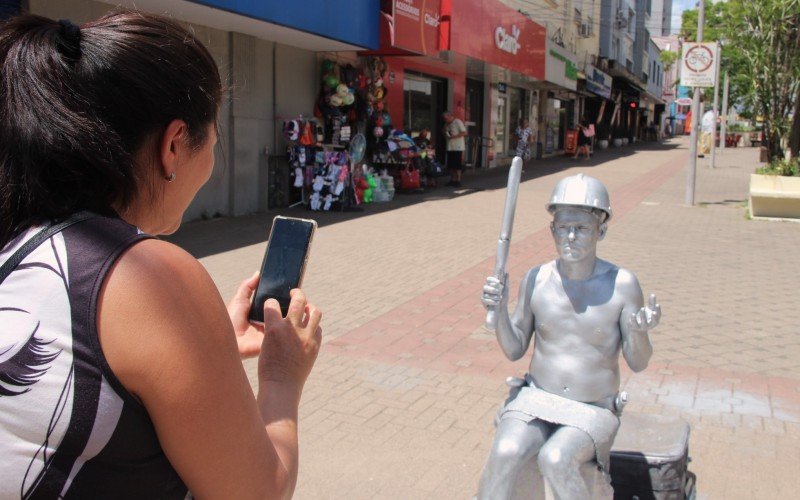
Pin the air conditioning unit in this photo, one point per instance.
(622, 20)
(585, 30)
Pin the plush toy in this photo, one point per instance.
(316, 201)
(372, 183)
(318, 184)
(329, 199)
(361, 187)
(298, 177)
(341, 180)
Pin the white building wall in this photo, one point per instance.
(267, 81)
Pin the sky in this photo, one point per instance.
(678, 6)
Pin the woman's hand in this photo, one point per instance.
(290, 344)
(248, 336)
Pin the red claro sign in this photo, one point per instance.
(416, 25)
(492, 32)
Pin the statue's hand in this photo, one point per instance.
(494, 292)
(648, 316)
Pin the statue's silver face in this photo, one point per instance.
(576, 233)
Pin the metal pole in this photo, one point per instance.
(691, 173)
(716, 113)
(723, 127)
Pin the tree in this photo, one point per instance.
(668, 59)
(766, 34)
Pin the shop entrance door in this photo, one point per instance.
(473, 119)
(424, 98)
(501, 130)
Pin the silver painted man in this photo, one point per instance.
(580, 311)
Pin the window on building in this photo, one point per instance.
(631, 22)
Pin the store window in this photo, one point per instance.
(424, 98)
(513, 106)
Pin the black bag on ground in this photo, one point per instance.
(649, 459)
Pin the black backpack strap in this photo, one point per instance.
(38, 239)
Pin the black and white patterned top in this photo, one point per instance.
(68, 428)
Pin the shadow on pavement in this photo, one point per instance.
(209, 237)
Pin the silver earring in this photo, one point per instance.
(170, 177)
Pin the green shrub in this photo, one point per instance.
(790, 168)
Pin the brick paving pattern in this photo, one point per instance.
(402, 399)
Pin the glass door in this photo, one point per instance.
(501, 128)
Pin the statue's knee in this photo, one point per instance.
(552, 461)
(508, 449)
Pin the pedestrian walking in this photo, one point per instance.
(455, 131)
(707, 126)
(584, 139)
(524, 140)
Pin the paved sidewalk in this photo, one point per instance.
(402, 399)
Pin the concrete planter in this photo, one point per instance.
(774, 197)
(602, 144)
(617, 143)
(624, 141)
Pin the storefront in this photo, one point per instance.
(505, 52)
(558, 101)
(267, 54)
(598, 109)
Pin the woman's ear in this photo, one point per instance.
(173, 147)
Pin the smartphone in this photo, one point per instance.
(284, 263)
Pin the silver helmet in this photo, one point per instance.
(580, 191)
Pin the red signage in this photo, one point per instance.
(414, 26)
(492, 32)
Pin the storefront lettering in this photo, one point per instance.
(507, 42)
(432, 20)
(570, 71)
(407, 7)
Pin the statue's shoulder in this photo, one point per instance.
(540, 272)
(626, 282)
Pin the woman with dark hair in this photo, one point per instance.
(120, 371)
(584, 139)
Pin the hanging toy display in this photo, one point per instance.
(374, 93)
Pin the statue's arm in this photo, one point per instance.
(636, 346)
(514, 332)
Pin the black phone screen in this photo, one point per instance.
(283, 265)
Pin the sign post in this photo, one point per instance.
(686, 71)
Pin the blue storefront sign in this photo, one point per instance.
(9, 8)
(598, 82)
(354, 22)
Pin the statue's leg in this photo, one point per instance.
(560, 461)
(514, 443)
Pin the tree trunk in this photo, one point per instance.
(794, 135)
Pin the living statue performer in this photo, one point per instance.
(580, 311)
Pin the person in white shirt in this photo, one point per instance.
(455, 131)
(707, 127)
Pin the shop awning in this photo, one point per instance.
(316, 25)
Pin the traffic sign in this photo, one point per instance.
(699, 64)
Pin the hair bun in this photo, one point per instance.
(71, 37)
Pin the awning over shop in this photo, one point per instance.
(317, 25)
